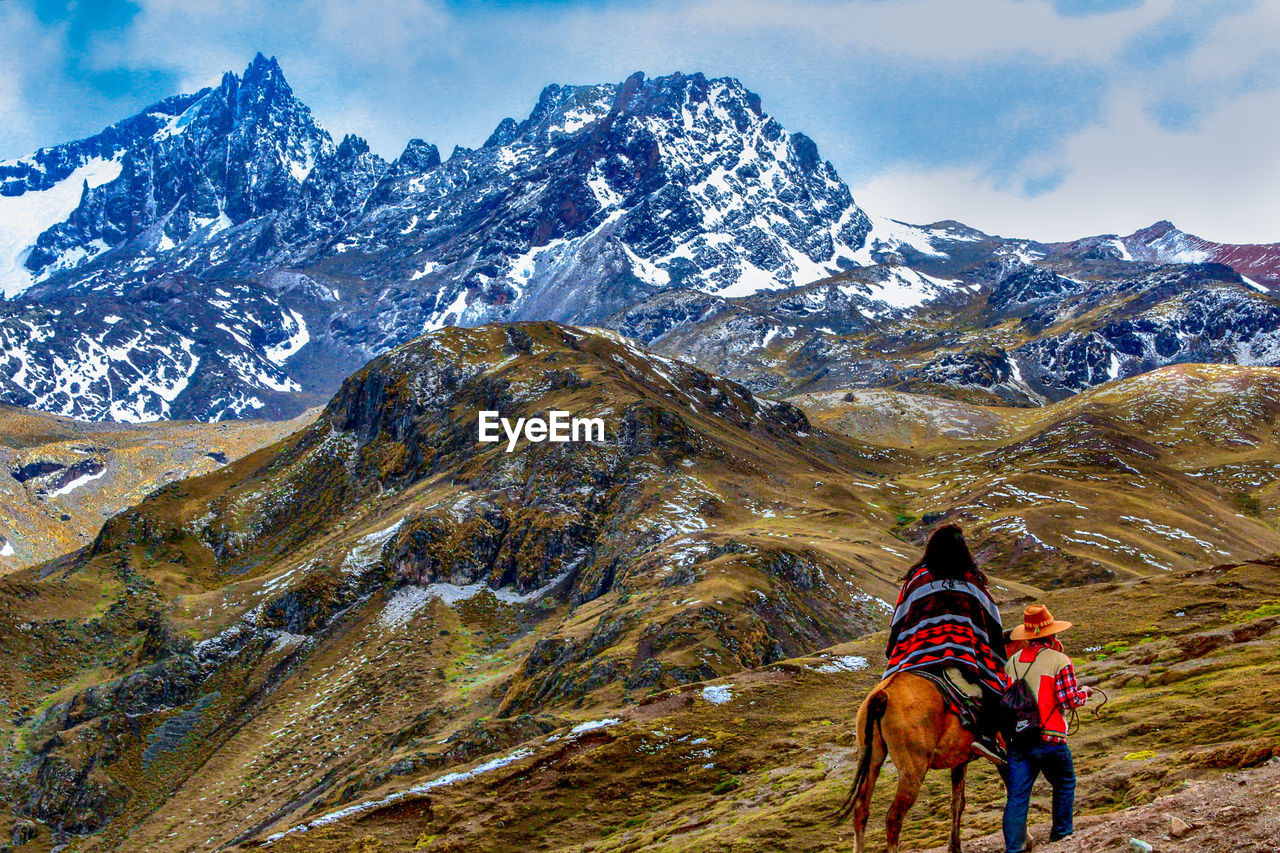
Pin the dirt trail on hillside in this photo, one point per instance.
(1236, 812)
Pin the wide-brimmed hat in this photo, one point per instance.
(1037, 622)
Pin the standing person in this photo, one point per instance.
(945, 619)
(1051, 677)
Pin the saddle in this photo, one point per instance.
(962, 696)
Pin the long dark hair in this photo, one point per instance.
(947, 556)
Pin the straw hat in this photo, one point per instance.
(1037, 622)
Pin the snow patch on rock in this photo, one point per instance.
(82, 480)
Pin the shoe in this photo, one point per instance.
(990, 751)
(1053, 838)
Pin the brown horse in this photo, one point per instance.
(906, 719)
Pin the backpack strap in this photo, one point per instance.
(1030, 664)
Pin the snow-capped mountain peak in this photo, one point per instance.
(191, 165)
(609, 193)
(1164, 242)
(218, 253)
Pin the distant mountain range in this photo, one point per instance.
(220, 256)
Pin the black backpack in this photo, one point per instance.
(1020, 721)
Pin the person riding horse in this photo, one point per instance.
(946, 653)
(946, 626)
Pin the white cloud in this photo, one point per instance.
(392, 69)
(1218, 176)
(29, 53)
(1220, 180)
(379, 50)
(937, 30)
(1239, 45)
(335, 39)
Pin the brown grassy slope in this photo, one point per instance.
(132, 460)
(710, 535)
(1191, 672)
(1168, 470)
(686, 564)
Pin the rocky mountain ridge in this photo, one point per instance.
(220, 256)
(1163, 242)
(1007, 332)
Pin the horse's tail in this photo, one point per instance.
(876, 707)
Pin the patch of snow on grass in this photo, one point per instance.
(592, 725)
(402, 605)
(366, 550)
(717, 694)
(408, 600)
(390, 799)
(844, 663)
(76, 483)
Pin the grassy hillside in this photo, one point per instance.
(1169, 470)
(760, 760)
(387, 632)
(61, 478)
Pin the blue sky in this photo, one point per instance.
(1021, 117)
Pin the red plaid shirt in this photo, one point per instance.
(1069, 696)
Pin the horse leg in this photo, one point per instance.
(957, 804)
(862, 807)
(911, 770)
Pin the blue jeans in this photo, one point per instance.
(1054, 761)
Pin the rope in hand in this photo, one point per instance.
(1073, 715)
(1097, 709)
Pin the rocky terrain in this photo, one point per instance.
(215, 613)
(61, 478)
(377, 633)
(1222, 814)
(1008, 332)
(220, 256)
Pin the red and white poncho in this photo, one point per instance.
(942, 622)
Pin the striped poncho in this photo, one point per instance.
(945, 622)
